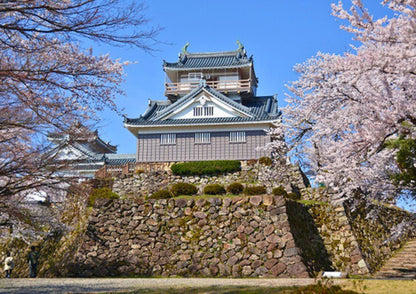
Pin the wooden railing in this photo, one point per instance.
(108, 171)
(222, 86)
(129, 168)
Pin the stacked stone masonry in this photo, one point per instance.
(146, 183)
(230, 236)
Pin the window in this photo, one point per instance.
(209, 111)
(202, 138)
(198, 111)
(194, 76)
(204, 111)
(167, 139)
(237, 137)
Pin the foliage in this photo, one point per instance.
(344, 108)
(101, 193)
(235, 188)
(161, 194)
(214, 167)
(265, 160)
(214, 189)
(183, 189)
(322, 288)
(254, 190)
(293, 196)
(406, 162)
(48, 80)
(279, 191)
(139, 171)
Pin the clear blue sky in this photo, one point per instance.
(278, 33)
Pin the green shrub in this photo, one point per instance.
(101, 193)
(265, 160)
(235, 188)
(199, 168)
(139, 171)
(183, 189)
(254, 190)
(293, 196)
(161, 194)
(279, 191)
(214, 189)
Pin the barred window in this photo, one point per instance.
(202, 138)
(237, 137)
(204, 111)
(198, 111)
(209, 111)
(167, 139)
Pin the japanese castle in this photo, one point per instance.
(83, 152)
(211, 111)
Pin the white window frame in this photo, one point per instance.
(194, 76)
(168, 139)
(238, 137)
(203, 138)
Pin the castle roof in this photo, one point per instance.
(82, 137)
(209, 60)
(255, 109)
(229, 59)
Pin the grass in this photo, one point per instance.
(368, 286)
(205, 196)
(353, 286)
(211, 290)
(312, 202)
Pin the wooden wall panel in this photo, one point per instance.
(185, 149)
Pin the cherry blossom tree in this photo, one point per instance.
(345, 110)
(48, 79)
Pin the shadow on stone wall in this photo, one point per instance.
(308, 239)
(380, 230)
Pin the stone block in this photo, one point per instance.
(256, 200)
(277, 269)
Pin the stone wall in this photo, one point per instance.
(324, 235)
(227, 236)
(145, 183)
(380, 229)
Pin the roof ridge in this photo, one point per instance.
(212, 54)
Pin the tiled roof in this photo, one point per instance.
(120, 159)
(258, 108)
(229, 59)
(192, 94)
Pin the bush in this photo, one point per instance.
(161, 194)
(279, 191)
(255, 190)
(183, 189)
(214, 189)
(101, 193)
(265, 160)
(235, 188)
(199, 168)
(293, 196)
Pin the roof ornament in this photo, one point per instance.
(185, 48)
(182, 54)
(241, 52)
(202, 82)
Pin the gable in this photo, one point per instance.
(204, 105)
(70, 153)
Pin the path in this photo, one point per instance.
(402, 265)
(69, 285)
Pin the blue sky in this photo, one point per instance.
(278, 33)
